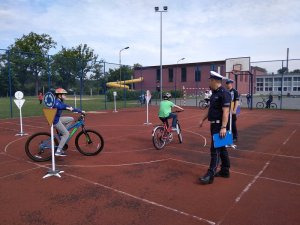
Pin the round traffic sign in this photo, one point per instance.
(19, 95)
(49, 100)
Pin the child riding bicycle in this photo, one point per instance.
(61, 122)
(165, 110)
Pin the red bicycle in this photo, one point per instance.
(163, 134)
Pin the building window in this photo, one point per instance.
(296, 83)
(287, 83)
(277, 84)
(158, 74)
(183, 74)
(197, 74)
(268, 84)
(259, 84)
(171, 75)
(212, 67)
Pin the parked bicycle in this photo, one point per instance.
(203, 104)
(88, 142)
(263, 104)
(162, 134)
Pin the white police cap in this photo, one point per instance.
(215, 75)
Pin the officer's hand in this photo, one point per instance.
(201, 123)
(223, 132)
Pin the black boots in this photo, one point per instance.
(207, 179)
(223, 173)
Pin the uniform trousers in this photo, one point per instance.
(217, 153)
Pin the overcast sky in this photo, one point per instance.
(199, 30)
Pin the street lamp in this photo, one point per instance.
(175, 83)
(165, 9)
(120, 62)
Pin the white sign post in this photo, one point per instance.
(49, 101)
(148, 98)
(19, 102)
(115, 95)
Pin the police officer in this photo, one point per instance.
(217, 114)
(233, 108)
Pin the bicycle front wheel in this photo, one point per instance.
(38, 146)
(89, 142)
(260, 105)
(179, 133)
(158, 139)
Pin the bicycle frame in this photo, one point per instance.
(74, 127)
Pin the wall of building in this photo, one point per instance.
(193, 85)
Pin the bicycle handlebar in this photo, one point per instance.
(178, 111)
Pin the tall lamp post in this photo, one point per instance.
(165, 9)
(175, 83)
(120, 61)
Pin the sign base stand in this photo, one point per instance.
(21, 134)
(53, 173)
(147, 123)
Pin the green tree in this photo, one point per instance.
(28, 58)
(74, 64)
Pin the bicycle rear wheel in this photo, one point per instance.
(179, 133)
(38, 146)
(202, 104)
(158, 139)
(273, 106)
(260, 105)
(89, 142)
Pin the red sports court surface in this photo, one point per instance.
(130, 182)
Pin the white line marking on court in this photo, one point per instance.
(115, 165)
(6, 162)
(5, 149)
(289, 137)
(145, 149)
(197, 135)
(23, 171)
(142, 199)
(252, 182)
(281, 181)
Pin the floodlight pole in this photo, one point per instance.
(120, 62)
(175, 83)
(165, 9)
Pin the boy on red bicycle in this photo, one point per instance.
(165, 110)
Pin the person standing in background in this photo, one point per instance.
(40, 97)
(233, 108)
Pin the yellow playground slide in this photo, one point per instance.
(122, 84)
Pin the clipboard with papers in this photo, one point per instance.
(220, 142)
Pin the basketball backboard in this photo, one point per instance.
(238, 64)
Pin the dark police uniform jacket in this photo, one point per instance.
(220, 98)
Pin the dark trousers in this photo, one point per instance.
(233, 126)
(217, 153)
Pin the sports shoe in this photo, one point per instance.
(60, 153)
(174, 129)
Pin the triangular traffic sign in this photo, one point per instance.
(19, 102)
(49, 114)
